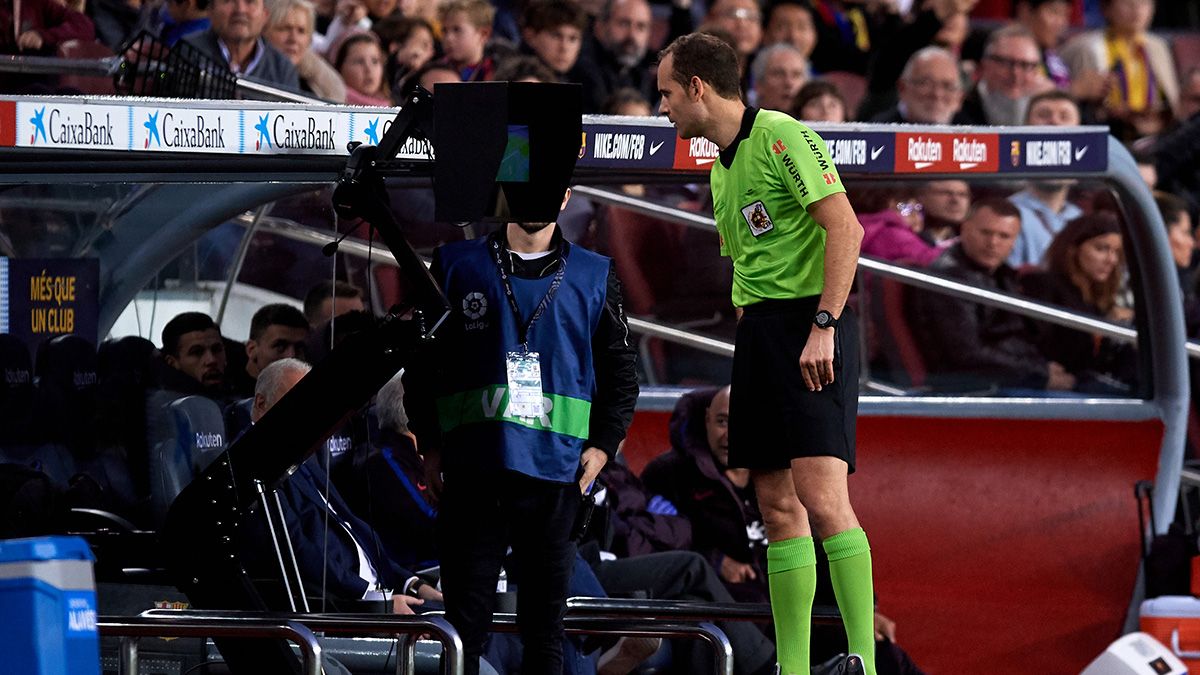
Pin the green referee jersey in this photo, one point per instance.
(762, 185)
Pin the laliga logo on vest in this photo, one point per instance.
(474, 306)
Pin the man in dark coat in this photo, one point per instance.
(727, 527)
(969, 346)
(235, 39)
(338, 554)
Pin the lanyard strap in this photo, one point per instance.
(523, 327)
(1045, 223)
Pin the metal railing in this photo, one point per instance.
(260, 91)
(54, 65)
(910, 277)
(401, 627)
(131, 629)
(110, 65)
(687, 610)
(585, 616)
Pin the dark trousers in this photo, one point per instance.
(478, 519)
(685, 575)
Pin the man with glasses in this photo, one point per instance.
(930, 89)
(1010, 73)
(742, 19)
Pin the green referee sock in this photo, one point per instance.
(850, 570)
(792, 573)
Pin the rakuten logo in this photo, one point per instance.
(946, 153)
(696, 154)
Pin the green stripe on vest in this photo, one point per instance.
(564, 415)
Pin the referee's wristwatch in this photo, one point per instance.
(824, 319)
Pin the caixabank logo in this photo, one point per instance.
(185, 130)
(296, 131)
(372, 128)
(71, 126)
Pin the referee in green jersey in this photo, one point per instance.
(783, 217)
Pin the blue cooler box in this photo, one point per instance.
(48, 607)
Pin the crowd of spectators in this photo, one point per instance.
(1039, 62)
(927, 61)
(973, 62)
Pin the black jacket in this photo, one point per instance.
(614, 361)
(383, 482)
(969, 345)
(1175, 159)
(722, 516)
(837, 51)
(971, 111)
(1082, 354)
(614, 76)
(632, 528)
(273, 68)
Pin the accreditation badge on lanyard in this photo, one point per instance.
(524, 367)
(525, 384)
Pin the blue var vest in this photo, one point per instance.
(479, 433)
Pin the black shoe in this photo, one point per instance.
(841, 664)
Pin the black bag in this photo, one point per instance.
(1167, 557)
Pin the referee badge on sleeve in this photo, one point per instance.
(757, 218)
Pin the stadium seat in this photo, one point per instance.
(636, 243)
(126, 367)
(237, 418)
(337, 449)
(904, 343)
(65, 399)
(86, 84)
(1185, 47)
(16, 391)
(64, 408)
(388, 288)
(198, 438)
(852, 86)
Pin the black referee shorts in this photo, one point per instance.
(773, 417)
